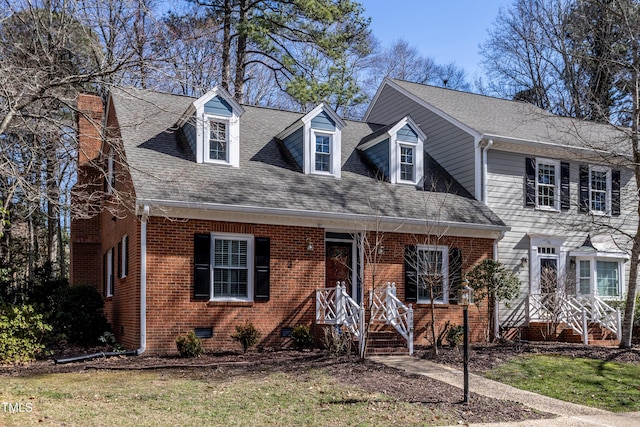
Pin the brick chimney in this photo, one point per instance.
(90, 112)
(85, 240)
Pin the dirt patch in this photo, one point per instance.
(369, 375)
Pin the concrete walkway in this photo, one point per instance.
(569, 414)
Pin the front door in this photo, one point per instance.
(339, 268)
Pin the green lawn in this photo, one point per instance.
(197, 398)
(607, 385)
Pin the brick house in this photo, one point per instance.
(214, 213)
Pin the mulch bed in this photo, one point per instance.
(369, 375)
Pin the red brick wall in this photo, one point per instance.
(295, 275)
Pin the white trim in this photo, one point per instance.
(332, 152)
(445, 272)
(250, 265)
(555, 242)
(354, 262)
(143, 279)
(593, 278)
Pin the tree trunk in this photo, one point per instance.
(433, 320)
(241, 54)
(226, 45)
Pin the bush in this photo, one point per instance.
(80, 317)
(247, 335)
(189, 345)
(301, 336)
(336, 341)
(21, 333)
(454, 335)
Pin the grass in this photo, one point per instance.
(606, 385)
(196, 398)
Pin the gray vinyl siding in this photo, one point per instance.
(295, 144)
(506, 191)
(379, 156)
(190, 132)
(450, 146)
(323, 122)
(218, 106)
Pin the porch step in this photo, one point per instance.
(561, 332)
(386, 342)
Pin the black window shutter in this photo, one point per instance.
(455, 272)
(125, 271)
(530, 182)
(583, 202)
(262, 268)
(113, 273)
(565, 198)
(615, 193)
(120, 267)
(104, 274)
(410, 274)
(202, 266)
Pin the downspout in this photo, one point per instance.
(143, 280)
(486, 148)
(496, 308)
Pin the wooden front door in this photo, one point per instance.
(338, 263)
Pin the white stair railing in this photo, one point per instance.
(385, 306)
(334, 306)
(576, 311)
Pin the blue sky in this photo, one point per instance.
(447, 31)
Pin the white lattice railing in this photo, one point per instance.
(575, 311)
(385, 306)
(334, 306)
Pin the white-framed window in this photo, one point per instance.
(323, 151)
(407, 163)
(216, 147)
(600, 190)
(602, 277)
(433, 273)
(231, 267)
(124, 257)
(547, 184)
(109, 273)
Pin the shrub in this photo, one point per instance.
(301, 336)
(189, 345)
(80, 315)
(21, 332)
(247, 335)
(454, 335)
(109, 339)
(336, 341)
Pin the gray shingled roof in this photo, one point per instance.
(163, 169)
(491, 116)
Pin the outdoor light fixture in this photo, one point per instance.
(523, 261)
(309, 245)
(465, 298)
(380, 250)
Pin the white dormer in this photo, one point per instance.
(398, 151)
(212, 127)
(315, 141)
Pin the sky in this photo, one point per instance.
(445, 30)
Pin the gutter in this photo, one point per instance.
(143, 280)
(317, 215)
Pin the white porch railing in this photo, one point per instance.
(334, 306)
(576, 311)
(386, 307)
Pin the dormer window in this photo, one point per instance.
(218, 142)
(323, 152)
(397, 151)
(212, 127)
(315, 141)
